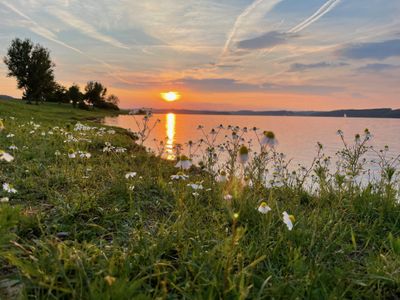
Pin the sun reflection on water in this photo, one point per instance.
(170, 130)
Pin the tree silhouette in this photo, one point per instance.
(32, 67)
(75, 94)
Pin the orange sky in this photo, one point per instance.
(259, 55)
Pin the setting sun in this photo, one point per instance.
(171, 96)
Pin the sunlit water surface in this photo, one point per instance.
(297, 136)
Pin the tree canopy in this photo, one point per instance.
(32, 67)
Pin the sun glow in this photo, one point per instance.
(170, 131)
(170, 96)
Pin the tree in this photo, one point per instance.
(113, 99)
(95, 93)
(74, 94)
(32, 67)
(59, 94)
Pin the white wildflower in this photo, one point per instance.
(184, 163)
(4, 200)
(9, 188)
(6, 156)
(221, 177)
(243, 154)
(228, 197)
(288, 220)
(130, 175)
(85, 155)
(120, 150)
(71, 153)
(196, 186)
(264, 208)
(268, 138)
(179, 176)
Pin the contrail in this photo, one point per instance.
(39, 30)
(240, 18)
(49, 35)
(85, 28)
(324, 9)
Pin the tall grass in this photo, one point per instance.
(90, 228)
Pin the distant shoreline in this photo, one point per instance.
(383, 113)
(387, 113)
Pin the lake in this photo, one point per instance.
(297, 136)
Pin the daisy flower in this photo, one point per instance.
(268, 138)
(288, 220)
(9, 188)
(6, 156)
(184, 163)
(264, 208)
(130, 175)
(243, 154)
(196, 186)
(179, 176)
(71, 153)
(228, 197)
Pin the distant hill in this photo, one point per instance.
(6, 97)
(351, 113)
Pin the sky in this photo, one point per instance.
(218, 54)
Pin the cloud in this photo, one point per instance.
(36, 28)
(33, 26)
(372, 50)
(221, 85)
(274, 38)
(378, 67)
(242, 16)
(267, 40)
(298, 67)
(85, 28)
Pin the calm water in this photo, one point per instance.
(297, 136)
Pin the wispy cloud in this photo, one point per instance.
(372, 50)
(241, 17)
(39, 30)
(299, 67)
(85, 28)
(267, 40)
(220, 85)
(271, 39)
(49, 35)
(378, 68)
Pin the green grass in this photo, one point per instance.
(74, 229)
(50, 112)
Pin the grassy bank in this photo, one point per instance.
(82, 225)
(50, 112)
